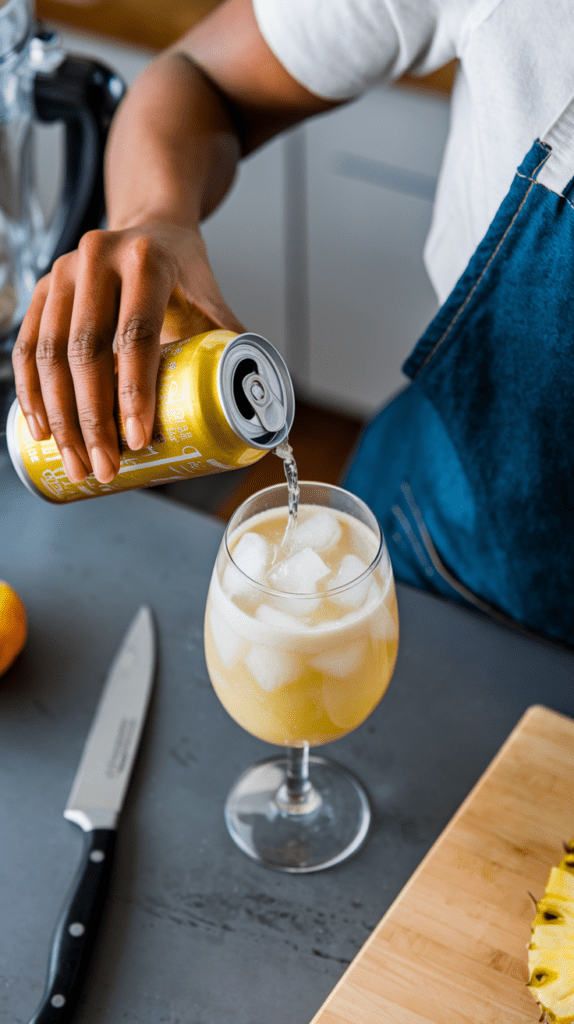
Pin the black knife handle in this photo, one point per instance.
(76, 930)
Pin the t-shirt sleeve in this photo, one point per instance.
(339, 48)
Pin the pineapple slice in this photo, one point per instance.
(561, 882)
(551, 950)
(553, 912)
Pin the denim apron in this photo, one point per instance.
(470, 469)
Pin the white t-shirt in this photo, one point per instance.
(516, 76)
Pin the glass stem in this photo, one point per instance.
(298, 784)
(297, 795)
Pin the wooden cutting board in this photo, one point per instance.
(452, 948)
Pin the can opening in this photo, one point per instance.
(255, 391)
(242, 370)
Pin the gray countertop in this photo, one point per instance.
(196, 933)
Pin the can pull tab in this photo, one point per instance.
(263, 401)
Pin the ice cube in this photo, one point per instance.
(319, 532)
(341, 661)
(350, 569)
(346, 705)
(300, 573)
(339, 703)
(272, 668)
(228, 644)
(251, 554)
(280, 619)
(234, 583)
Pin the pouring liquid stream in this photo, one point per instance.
(285, 452)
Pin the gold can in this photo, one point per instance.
(223, 401)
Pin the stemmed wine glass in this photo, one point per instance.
(301, 637)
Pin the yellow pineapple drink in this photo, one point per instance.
(304, 654)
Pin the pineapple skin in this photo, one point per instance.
(551, 949)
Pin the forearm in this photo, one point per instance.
(173, 148)
(218, 93)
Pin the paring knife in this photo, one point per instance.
(95, 803)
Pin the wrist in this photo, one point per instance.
(153, 220)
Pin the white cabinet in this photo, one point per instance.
(245, 242)
(372, 168)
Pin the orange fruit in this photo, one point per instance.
(13, 626)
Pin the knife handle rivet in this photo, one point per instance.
(58, 1001)
(76, 929)
(97, 856)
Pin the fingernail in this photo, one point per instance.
(135, 435)
(34, 427)
(103, 466)
(75, 469)
(44, 426)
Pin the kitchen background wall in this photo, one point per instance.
(318, 246)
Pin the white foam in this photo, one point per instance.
(299, 606)
(300, 573)
(320, 532)
(228, 644)
(306, 639)
(341, 661)
(350, 569)
(278, 618)
(381, 624)
(272, 668)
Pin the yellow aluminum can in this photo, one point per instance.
(223, 401)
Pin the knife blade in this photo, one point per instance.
(95, 802)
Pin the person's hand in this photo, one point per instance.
(101, 310)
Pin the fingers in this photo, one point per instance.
(217, 311)
(185, 319)
(147, 285)
(25, 369)
(117, 284)
(91, 366)
(64, 363)
(205, 304)
(43, 380)
(54, 373)
(64, 360)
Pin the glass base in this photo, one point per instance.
(323, 826)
